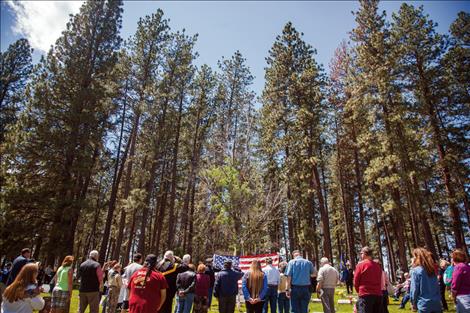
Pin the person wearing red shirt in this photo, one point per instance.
(368, 284)
(147, 288)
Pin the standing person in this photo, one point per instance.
(91, 282)
(23, 295)
(186, 259)
(313, 279)
(107, 268)
(128, 272)
(328, 278)
(62, 292)
(147, 288)
(282, 300)
(255, 288)
(210, 271)
(186, 285)
(18, 264)
(226, 287)
(442, 286)
(299, 271)
(203, 283)
(368, 284)
(461, 281)
(385, 283)
(273, 277)
(170, 267)
(424, 289)
(114, 287)
(349, 279)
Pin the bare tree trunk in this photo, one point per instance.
(391, 255)
(174, 169)
(323, 213)
(443, 163)
(358, 176)
(118, 170)
(379, 239)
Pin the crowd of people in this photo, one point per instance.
(149, 285)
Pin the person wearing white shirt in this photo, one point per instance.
(327, 279)
(23, 294)
(128, 272)
(274, 277)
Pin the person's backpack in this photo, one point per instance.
(448, 275)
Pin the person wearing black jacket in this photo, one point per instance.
(226, 287)
(91, 282)
(211, 272)
(186, 285)
(170, 267)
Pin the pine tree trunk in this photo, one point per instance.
(130, 240)
(174, 168)
(379, 240)
(445, 171)
(118, 170)
(191, 223)
(323, 213)
(161, 215)
(391, 255)
(399, 230)
(347, 216)
(358, 177)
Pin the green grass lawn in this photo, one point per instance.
(314, 307)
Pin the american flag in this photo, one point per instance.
(244, 262)
(218, 261)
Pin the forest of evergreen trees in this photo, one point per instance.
(127, 145)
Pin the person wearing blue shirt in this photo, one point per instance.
(274, 278)
(424, 289)
(299, 271)
(226, 287)
(255, 287)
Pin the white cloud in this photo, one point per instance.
(42, 22)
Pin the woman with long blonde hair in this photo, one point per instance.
(62, 291)
(424, 290)
(254, 286)
(23, 296)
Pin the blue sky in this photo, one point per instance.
(223, 27)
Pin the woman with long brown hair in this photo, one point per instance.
(424, 290)
(254, 286)
(23, 296)
(62, 291)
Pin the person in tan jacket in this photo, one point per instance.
(114, 285)
(283, 301)
(327, 278)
